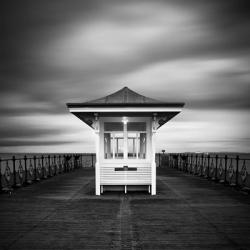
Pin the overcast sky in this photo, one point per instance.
(192, 51)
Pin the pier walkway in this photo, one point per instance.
(188, 212)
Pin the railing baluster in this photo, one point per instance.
(35, 172)
(49, 174)
(195, 163)
(202, 165)
(25, 168)
(43, 168)
(237, 170)
(208, 165)
(225, 173)
(55, 165)
(14, 171)
(216, 167)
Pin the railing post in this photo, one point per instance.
(55, 165)
(74, 161)
(208, 165)
(34, 159)
(191, 164)
(42, 158)
(1, 174)
(169, 158)
(202, 164)
(225, 174)
(172, 161)
(196, 163)
(60, 165)
(185, 162)
(49, 174)
(182, 162)
(179, 161)
(237, 170)
(64, 162)
(25, 168)
(175, 160)
(14, 170)
(216, 166)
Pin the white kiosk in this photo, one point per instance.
(125, 124)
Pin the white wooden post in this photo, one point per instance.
(153, 165)
(97, 164)
(125, 144)
(137, 138)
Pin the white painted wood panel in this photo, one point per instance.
(142, 176)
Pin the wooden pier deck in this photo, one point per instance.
(63, 213)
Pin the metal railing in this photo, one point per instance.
(228, 169)
(18, 171)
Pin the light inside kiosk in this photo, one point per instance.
(124, 120)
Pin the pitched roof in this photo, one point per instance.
(124, 97)
(125, 102)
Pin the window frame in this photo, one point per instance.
(138, 133)
(125, 138)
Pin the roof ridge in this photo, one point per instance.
(124, 95)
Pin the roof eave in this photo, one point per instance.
(131, 105)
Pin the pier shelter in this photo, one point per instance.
(125, 124)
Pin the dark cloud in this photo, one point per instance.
(31, 24)
(15, 131)
(222, 103)
(31, 107)
(41, 143)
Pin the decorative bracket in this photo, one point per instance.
(96, 123)
(154, 123)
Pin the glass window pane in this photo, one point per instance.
(113, 144)
(132, 145)
(113, 126)
(136, 126)
(108, 146)
(142, 146)
(119, 145)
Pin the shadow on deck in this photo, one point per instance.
(63, 213)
